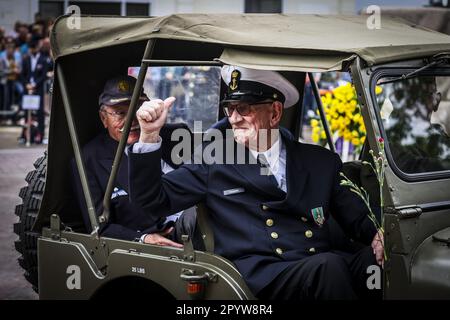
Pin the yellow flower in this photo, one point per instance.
(334, 103)
(338, 95)
(323, 135)
(355, 133)
(334, 125)
(378, 90)
(362, 139)
(355, 141)
(316, 130)
(348, 136)
(314, 123)
(362, 129)
(350, 108)
(315, 137)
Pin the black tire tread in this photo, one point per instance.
(27, 211)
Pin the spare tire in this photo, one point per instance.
(27, 212)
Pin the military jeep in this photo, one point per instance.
(408, 62)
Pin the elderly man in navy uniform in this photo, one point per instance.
(273, 227)
(127, 221)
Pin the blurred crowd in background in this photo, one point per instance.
(26, 68)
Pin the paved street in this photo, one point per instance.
(16, 161)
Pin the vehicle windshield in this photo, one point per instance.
(415, 115)
(196, 89)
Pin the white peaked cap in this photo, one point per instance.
(250, 78)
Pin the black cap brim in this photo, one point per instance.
(245, 96)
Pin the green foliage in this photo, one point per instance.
(379, 162)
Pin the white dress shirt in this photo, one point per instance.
(276, 158)
(34, 59)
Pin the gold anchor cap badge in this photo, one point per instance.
(234, 83)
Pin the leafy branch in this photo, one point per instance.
(379, 163)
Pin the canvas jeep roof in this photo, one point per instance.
(277, 41)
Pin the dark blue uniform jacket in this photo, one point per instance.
(261, 249)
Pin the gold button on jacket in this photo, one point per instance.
(308, 233)
(312, 250)
(269, 222)
(274, 235)
(279, 250)
(265, 208)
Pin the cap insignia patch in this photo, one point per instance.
(123, 86)
(234, 83)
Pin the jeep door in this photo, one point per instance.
(412, 115)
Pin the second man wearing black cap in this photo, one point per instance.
(127, 221)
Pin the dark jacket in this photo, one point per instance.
(39, 74)
(239, 219)
(127, 221)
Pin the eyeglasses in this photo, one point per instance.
(117, 115)
(243, 109)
